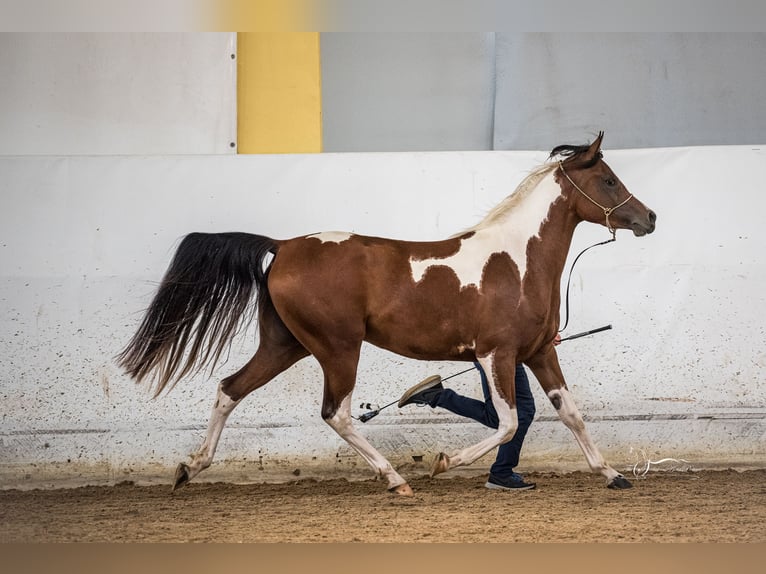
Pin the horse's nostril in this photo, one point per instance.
(652, 217)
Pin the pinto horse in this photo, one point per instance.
(489, 294)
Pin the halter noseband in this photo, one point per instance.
(607, 210)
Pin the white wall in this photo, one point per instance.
(84, 240)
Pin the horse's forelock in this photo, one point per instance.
(572, 153)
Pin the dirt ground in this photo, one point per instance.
(702, 506)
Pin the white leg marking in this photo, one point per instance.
(341, 423)
(570, 415)
(508, 422)
(222, 408)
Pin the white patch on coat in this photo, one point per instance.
(507, 418)
(509, 232)
(331, 236)
(463, 347)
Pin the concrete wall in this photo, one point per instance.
(84, 240)
(522, 91)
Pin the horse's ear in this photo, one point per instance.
(594, 150)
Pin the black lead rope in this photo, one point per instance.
(569, 279)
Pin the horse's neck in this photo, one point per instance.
(538, 224)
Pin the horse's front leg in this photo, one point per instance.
(340, 376)
(500, 369)
(546, 368)
(340, 421)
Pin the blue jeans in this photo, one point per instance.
(484, 412)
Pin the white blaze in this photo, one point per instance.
(511, 235)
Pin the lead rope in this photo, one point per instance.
(571, 269)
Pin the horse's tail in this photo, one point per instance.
(208, 293)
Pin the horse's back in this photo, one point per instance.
(332, 266)
(354, 287)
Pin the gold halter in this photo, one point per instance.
(607, 210)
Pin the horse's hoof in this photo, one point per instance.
(402, 490)
(619, 483)
(441, 464)
(182, 476)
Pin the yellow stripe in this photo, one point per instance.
(279, 92)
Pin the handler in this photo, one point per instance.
(431, 392)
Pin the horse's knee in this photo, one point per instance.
(337, 414)
(566, 409)
(334, 410)
(329, 410)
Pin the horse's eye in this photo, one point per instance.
(610, 181)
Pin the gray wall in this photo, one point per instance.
(402, 91)
(448, 91)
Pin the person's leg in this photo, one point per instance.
(508, 453)
(484, 412)
(502, 475)
(480, 411)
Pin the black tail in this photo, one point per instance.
(208, 293)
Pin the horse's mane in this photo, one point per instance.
(566, 152)
(510, 202)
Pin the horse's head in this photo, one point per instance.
(596, 193)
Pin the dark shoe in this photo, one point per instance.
(423, 393)
(515, 482)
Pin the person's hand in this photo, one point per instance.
(557, 339)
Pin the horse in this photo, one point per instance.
(489, 294)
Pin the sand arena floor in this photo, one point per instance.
(702, 506)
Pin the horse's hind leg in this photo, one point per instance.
(269, 360)
(202, 459)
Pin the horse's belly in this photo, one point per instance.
(426, 340)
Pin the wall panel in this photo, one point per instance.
(399, 91)
(118, 94)
(525, 91)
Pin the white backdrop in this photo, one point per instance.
(84, 240)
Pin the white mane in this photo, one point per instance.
(509, 203)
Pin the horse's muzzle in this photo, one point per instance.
(645, 227)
